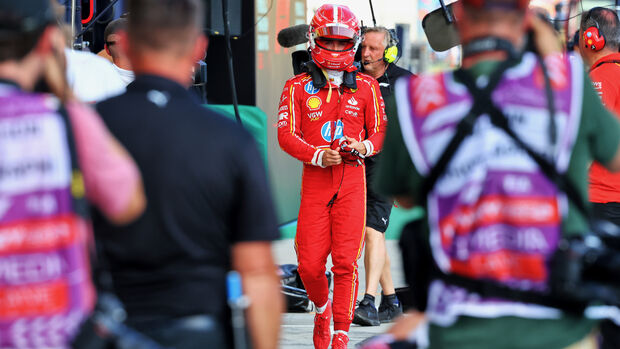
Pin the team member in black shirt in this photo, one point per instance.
(209, 205)
(378, 55)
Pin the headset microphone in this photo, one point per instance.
(371, 62)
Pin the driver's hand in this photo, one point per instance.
(359, 146)
(331, 157)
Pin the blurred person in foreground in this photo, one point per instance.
(114, 33)
(598, 42)
(324, 114)
(493, 216)
(379, 52)
(56, 156)
(209, 209)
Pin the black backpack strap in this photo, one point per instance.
(550, 101)
(499, 119)
(561, 181)
(78, 190)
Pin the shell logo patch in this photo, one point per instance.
(314, 102)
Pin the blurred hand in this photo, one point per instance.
(405, 201)
(381, 341)
(545, 37)
(331, 157)
(56, 65)
(359, 146)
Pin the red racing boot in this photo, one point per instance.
(322, 332)
(340, 340)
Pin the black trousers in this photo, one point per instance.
(610, 332)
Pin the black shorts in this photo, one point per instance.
(609, 211)
(378, 208)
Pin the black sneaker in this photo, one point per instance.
(366, 314)
(389, 310)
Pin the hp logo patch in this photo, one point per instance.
(326, 131)
(309, 88)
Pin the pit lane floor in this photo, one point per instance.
(296, 331)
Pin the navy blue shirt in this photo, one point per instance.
(388, 79)
(386, 86)
(206, 188)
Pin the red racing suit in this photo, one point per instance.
(309, 119)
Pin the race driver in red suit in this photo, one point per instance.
(321, 110)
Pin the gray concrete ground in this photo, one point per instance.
(297, 327)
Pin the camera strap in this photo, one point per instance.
(465, 126)
(498, 119)
(489, 43)
(483, 104)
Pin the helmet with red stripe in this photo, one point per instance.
(334, 22)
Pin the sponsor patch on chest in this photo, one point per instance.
(315, 115)
(314, 103)
(310, 89)
(332, 130)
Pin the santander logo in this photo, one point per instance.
(558, 73)
(428, 94)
